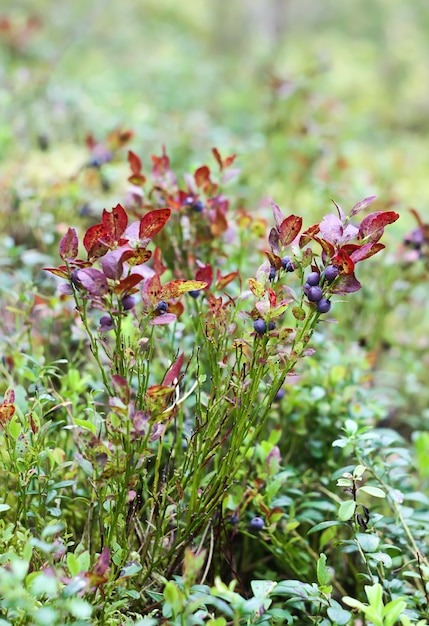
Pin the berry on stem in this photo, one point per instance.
(162, 307)
(271, 325)
(313, 279)
(330, 273)
(324, 305)
(260, 326)
(272, 274)
(257, 523)
(314, 294)
(194, 293)
(128, 302)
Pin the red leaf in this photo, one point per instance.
(289, 229)
(275, 261)
(137, 179)
(128, 283)
(158, 266)
(347, 283)
(223, 163)
(69, 245)
(308, 235)
(205, 273)
(135, 162)
(7, 407)
(115, 222)
(366, 251)
(343, 262)
(272, 298)
(58, 271)
(151, 291)
(218, 158)
(136, 256)
(223, 281)
(94, 241)
(278, 215)
(176, 288)
(173, 372)
(153, 222)
(102, 563)
(161, 164)
(121, 388)
(327, 247)
(273, 240)
(94, 281)
(372, 226)
(363, 204)
(202, 175)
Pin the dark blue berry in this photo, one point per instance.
(271, 325)
(162, 307)
(324, 305)
(257, 523)
(272, 274)
(285, 261)
(194, 293)
(233, 519)
(280, 394)
(290, 267)
(128, 302)
(305, 288)
(198, 206)
(313, 279)
(330, 273)
(260, 326)
(106, 323)
(314, 294)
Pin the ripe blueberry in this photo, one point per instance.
(271, 325)
(260, 326)
(106, 323)
(313, 279)
(280, 394)
(162, 307)
(331, 272)
(287, 264)
(198, 206)
(257, 523)
(305, 288)
(194, 293)
(314, 294)
(128, 302)
(324, 305)
(233, 519)
(272, 273)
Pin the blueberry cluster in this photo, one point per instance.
(313, 290)
(287, 264)
(261, 327)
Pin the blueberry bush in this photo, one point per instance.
(213, 399)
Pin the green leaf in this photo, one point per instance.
(367, 541)
(85, 424)
(323, 526)
(376, 492)
(346, 510)
(4, 507)
(323, 576)
(392, 611)
(375, 596)
(339, 615)
(359, 471)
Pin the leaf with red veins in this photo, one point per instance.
(343, 262)
(308, 235)
(95, 241)
(153, 222)
(346, 283)
(359, 253)
(173, 373)
(115, 222)
(135, 256)
(204, 273)
(176, 288)
(331, 228)
(112, 265)
(362, 204)
(278, 215)
(93, 281)
(372, 226)
(289, 229)
(69, 245)
(223, 281)
(161, 320)
(273, 240)
(275, 261)
(128, 283)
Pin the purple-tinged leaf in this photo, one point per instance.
(69, 245)
(365, 251)
(363, 204)
(173, 372)
(112, 264)
(161, 320)
(121, 388)
(308, 235)
(347, 283)
(372, 226)
(273, 240)
(278, 215)
(331, 228)
(341, 213)
(93, 281)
